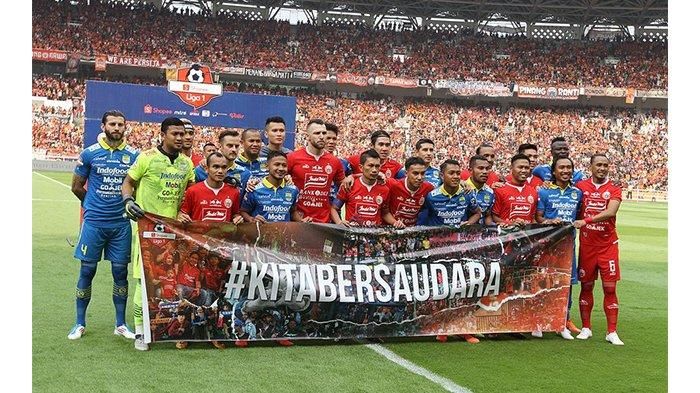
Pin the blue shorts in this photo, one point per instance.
(115, 242)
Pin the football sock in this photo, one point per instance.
(120, 291)
(585, 303)
(138, 311)
(610, 305)
(83, 291)
(568, 306)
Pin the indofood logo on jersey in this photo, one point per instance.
(195, 86)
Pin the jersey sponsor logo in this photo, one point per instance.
(213, 214)
(316, 168)
(365, 209)
(308, 203)
(111, 171)
(305, 166)
(313, 180)
(520, 209)
(275, 208)
(407, 210)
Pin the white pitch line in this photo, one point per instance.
(53, 180)
(416, 369)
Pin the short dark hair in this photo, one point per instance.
(170, 121)
(478, 149)
(378, 134)
(599, 155)
(476, 158)
(526, 146)
(274, 153)
(223, 134)
(214, 154)
(447, 162)
(554, 163)
(519, 156)
(247, 130)
(371, 153)
(114, 113)
(275, 119)
(332, 128)
(423, 141)
(316, 121)
(414, 161)
(208, 144)
(187, 122)
(557, 139)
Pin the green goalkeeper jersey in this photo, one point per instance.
(161, 188)
(161, 184)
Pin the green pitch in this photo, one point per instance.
(101, 362)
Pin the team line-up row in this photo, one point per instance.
(269, 183)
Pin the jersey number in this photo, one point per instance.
(612, 267)
(83, 248)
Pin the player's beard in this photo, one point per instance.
(111, 138)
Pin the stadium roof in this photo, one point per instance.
(579, 12)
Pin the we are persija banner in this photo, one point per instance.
(217, 281)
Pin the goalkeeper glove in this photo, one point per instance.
(232, 181)
(133, 210)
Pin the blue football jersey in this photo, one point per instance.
(441, 208)
(275, 204)
(555, 202)
(484, 199)
(432, 176)
(105, 169)
(257, 168)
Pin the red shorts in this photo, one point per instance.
(591, 259)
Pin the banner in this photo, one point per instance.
(397, 82)
(100, 63)
(218, 281)
(49, 55)
(73, 63)
(350, 79)
(277, 74)
(548, 92)
(604, 91)
(134, 61)
(652, 93)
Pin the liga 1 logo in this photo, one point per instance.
(195, 86)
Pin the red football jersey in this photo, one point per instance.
(212, 278)
(390, 168)
(532, 181)
(513, 202)
(404, 205)
(189, 275)
(196, 159)
(595, 200)
(314, 177)
(365, 204)
(493, 177)
(203, 203)
(167, 287)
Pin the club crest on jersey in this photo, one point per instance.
(288, 196)
(422, 201)
(329, 169)
(228, 203)
(195, 86)
(388, 173)
(574, 196)
(379, 199)
(126, 159)
(530, 199)
(487, 198)
(606, 195)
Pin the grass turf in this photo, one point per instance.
(103, 362)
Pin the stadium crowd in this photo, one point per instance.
(116, 28)
(636, 142)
